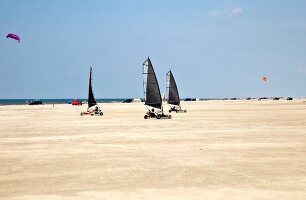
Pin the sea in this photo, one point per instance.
(54, 101)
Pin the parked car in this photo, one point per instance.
(128, 101)
(76, 102)
(35, 102)
(190, 99)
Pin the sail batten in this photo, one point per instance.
(152, 91)
(173, 94)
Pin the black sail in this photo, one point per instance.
(173, 96)
(91, 98)
(152, 92)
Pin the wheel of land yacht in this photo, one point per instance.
(170, 111)
(185, 111)
(101, 113)
(82, 114)
(158, 116)
(169, 116)
(145, 117)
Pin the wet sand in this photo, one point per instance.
(218, 150)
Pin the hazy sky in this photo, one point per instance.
(214, 48)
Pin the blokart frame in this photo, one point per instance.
(93, 113)
(156, 114)
(176, 109)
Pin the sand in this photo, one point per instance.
(218, 150)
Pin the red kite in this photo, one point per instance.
(265, 79)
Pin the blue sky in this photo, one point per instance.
(214, 48)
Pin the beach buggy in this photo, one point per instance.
(173, 95)
(152, 93)
(93, 107)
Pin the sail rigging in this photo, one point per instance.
(91, 98)
(173, 94)
(151, 87)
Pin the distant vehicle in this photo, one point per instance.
(289, 99)
(128, 101)
(134, 100)
(233, 98)
(262, 98)
(76, 102)
(276, 98)
(190, 99)
(35, 102)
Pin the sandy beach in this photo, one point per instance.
(218, 150)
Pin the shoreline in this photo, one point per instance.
(61, 101)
